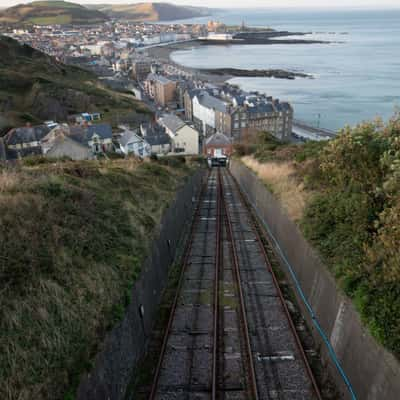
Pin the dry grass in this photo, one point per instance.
(8, 180)
(280, 178)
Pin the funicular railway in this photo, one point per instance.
(229, 335)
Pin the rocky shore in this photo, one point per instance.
(256, 73)
(217, 75)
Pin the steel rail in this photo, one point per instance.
(157, 373)
(278, 289)
(252, 374)
(214, 384)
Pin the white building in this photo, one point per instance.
(131, 143)
(202, 112)
(184, 139)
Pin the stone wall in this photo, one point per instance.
(125, 345)
(372, 372)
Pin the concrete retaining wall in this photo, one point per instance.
(372, 371)
(126, 343)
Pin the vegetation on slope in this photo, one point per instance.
(35, 87)
(352, 214)
(72, 239)
(50, 13)
(151, 12)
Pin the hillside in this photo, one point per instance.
(151, 12)
(51, 12)
(73, 237)
(345, 196)
(35, 87)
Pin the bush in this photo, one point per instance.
(355, 217)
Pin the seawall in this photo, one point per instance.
(126, 343)
(373, 373)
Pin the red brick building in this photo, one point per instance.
(218, 145)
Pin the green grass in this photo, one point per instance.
(53, 20)
(72, 239)
(352, 215)
(41, 87)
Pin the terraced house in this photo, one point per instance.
(237, 114)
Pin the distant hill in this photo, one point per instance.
(51, 12)
(35, 87)
(150, 12)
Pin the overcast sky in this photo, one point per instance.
(251, 3)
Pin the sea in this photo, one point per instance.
(356, 75)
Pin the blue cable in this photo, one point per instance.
(308, 306)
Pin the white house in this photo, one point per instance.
(203, 113)
(131, 143)
(184, 139)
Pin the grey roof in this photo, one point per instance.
(262, 108)
(218, 139)
(160, 78)
(27, 134)
(212, 102)
(14, 154)
(129, 136)
(285, 106)
(102, 130)
(157, 139)
(78, 134)
(172, 122)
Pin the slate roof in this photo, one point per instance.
(129, 136)
(211, 102)
(158, 139)
(104, 131)
(218, 139)
(159, 78)
(172, 122)
(26, 134)
(13, 154)
(78, 134)
(262, 108)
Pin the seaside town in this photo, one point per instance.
(194, 113)
(206, 209)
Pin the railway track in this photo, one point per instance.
(229, 335)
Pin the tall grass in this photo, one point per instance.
(72, 239)
(280, 178)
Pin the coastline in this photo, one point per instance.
(163, 54)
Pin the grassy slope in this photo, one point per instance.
(72, 239)
(34, 87)
(345, 196)
(151, 12)
(51, 12)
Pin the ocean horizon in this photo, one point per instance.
(356, 75)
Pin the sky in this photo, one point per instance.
(249, 3)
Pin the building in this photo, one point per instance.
(156, 137)
(100, 138)
(215, 26)
(161, 89)
(218, 145)
(132, 143)
(140, 70)
(26, 140)
(237, 114)
(204, 108)
(66, 147)
(184, 139)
